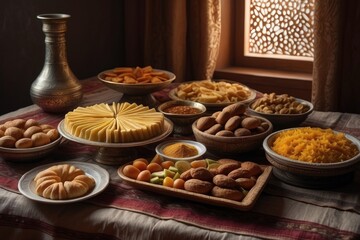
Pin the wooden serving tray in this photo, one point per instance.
(246, 204)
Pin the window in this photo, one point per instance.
(279, 29)
(274, 51)
(276, 34)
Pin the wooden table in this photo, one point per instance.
(123, 212)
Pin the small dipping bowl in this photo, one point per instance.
(200, 148)
(182, 114)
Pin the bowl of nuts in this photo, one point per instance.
(24, 140)
(282, 111)
(231, 130)
(182, 114)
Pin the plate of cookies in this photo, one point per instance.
(63, 182)
(222, 182)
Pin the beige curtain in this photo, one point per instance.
(179, 36)
(336, 74)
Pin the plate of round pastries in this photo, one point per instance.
(83, 173)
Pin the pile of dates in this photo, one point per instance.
(232, 122)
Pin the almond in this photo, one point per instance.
(235, 109)
(205, 123)
(223, 117)
(240, 132)
(214, 129)
(225, 133)
(233, 123)
(250, 122)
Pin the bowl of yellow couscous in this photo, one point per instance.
(311, 156)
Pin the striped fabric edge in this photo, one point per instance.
(46, 229)
(218, 219)
(319, 198)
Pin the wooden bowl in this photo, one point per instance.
(231, 145)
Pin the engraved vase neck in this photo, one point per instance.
(54, 28)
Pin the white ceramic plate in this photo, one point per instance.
(26, 184)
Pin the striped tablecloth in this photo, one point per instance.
(123, 212)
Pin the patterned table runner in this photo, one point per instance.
(265, 220)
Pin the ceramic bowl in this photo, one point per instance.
(28, 154)
(306, 174)
(283, 120)
(137, 89)
(182, 122)
(231, 145)
(214, 106)
(201, 149)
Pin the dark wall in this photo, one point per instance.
(94, 42)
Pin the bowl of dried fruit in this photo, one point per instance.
(231, 130)
(282, 111)
(23, 140)
(315, 158)
(136, 84)
(182, 114)
(136, 80)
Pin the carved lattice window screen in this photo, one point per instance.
(279, 29)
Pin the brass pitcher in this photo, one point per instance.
(56, 89)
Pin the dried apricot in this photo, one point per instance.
(139, 164)
(144, 176)
(131, 171)
(198, 163)
(154, 167)
(179, 183)
(167, 164)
